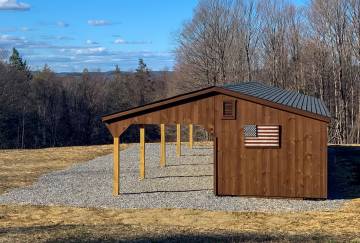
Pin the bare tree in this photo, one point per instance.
(313, 49)
(205, 43)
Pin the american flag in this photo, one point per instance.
(262, 135)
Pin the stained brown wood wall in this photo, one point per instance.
(297, 169)
(198, 110)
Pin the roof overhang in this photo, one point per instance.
(158, 104)
(213, 90)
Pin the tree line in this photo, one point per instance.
(44, 109)
(314, 49)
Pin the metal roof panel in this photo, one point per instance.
(281, 96)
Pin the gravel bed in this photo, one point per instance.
(186, 182)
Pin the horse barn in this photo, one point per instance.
(268, 142)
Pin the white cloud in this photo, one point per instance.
(86, 51)
(8, 41)
(16, 29)
(57, 37)
(122, 41)
(9, 37)
(13, 5)
(90, 51)
(25, 29)
(90, 42)
(64, 38)
(62, 24)
(99, 22)
(76, 57)
(119, 41)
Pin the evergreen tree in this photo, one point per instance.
(142, 68)
(117, 73)
(144, 82)
(17, 62)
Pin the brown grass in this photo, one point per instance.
(69, 223)
(24, 223)
(22, 167)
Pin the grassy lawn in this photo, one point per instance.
(48, 223)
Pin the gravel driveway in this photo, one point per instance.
(186, 182)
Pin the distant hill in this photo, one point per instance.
(107, 74)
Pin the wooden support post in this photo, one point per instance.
(142, 152)
(178, 140)
(116, 173)
(191, 135)
(162, 146)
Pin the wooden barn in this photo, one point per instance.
(268, 142)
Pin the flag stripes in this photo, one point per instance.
(264, 136)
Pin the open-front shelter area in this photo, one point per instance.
(268, 142)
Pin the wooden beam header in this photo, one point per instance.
(206, 92)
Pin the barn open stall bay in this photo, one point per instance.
(268, 142)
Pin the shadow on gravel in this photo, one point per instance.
(343, 172)
(178, 176)
(196, 155)
(189, 164)
(208, 148)
(139, 193)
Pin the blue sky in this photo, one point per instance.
(70, 35)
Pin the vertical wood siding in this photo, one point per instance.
(196, 111)
(297, 169)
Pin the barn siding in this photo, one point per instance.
(197, 111)
(296, 169)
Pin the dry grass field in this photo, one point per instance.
(22, 167)
(23, 223)
(30, 223)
